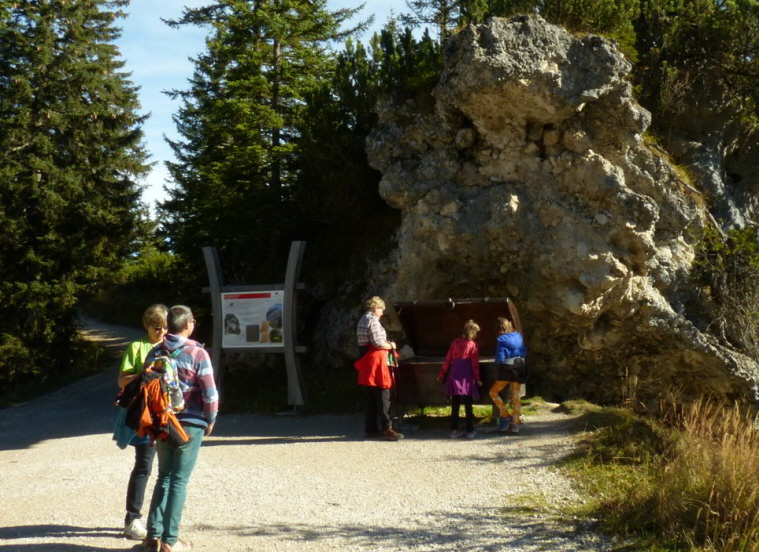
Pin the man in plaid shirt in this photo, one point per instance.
(374, 373)
(176, 463)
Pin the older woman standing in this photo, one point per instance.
(154, 322)
(373, 371)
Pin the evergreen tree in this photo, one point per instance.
(699, 52)
(70, 150)
(443, 14)
(235, 175)
(446, 16)
(338, 188)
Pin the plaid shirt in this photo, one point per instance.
(370, 331)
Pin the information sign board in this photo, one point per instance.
(252, 319)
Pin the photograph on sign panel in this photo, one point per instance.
(252, 319)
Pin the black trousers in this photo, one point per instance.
(143, 464)
(377, 409)
(456, 401)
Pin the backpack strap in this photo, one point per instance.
(175, 352)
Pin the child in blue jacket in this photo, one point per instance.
(512, 372)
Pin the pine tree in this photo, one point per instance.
(338, 190)
(444, 14)
(699, 52)
(70, 151)
(236, 175)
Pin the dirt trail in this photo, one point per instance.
(282, 483)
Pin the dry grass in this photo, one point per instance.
(709, 489)
(687, 481)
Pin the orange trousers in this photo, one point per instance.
(516, 402)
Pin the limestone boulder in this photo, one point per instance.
(531, 179)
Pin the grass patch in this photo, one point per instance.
(688, 480)
(527, 504)
(438, 417)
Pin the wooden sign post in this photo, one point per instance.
(258, 319)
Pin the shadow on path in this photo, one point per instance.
(61, 547)
(84, 407)
(489, 529)
(59, 532)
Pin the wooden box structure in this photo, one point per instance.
(429, 327)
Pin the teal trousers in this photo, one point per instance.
(175, 465)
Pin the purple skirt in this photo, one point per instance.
(460, 379)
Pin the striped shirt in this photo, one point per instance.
(196, 381)
(370, 331)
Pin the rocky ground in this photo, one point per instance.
(285, 483)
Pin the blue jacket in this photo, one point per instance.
(509, 345)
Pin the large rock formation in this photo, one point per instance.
(722, 154)
(531, 179)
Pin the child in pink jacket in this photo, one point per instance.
(461, 374)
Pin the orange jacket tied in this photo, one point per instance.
(157, 420)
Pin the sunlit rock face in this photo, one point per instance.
(531, 179)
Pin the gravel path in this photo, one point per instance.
(283, 483)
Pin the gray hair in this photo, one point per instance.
(179, 317)
(374, 303)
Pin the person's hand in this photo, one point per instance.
(440, 379)
(208, 430)
(479, 384)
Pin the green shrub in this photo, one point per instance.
(726, 271)
(143, 280)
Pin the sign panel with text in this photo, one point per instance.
(252, 319)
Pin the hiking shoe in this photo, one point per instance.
(504, 423)
(513, 429)
(470, 434)
(151, 544)
(179, 546)
(135, 530)
(390, 434)
(455, 434)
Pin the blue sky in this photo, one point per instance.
(158, 58)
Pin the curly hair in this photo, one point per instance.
(374, 303)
